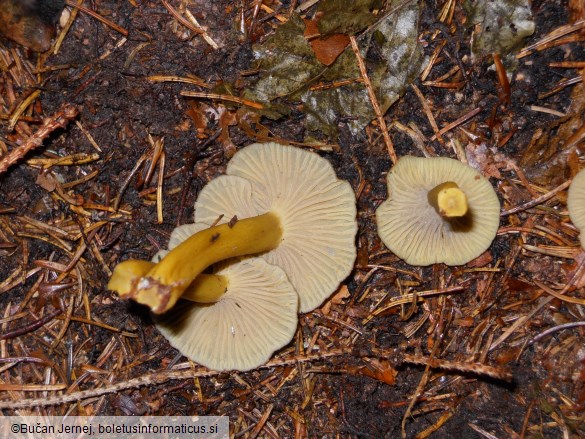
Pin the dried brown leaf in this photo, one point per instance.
(327, 49)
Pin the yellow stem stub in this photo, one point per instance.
(206, 288)
(448, 200)
(164, 283)
(128, 273)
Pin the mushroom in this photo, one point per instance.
(285, 204)
(576, 203)
(255, 315)
(438, 210)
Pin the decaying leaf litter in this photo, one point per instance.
(397, 348)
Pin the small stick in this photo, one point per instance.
(172, 78)
(205, 35)
(32, 387)
(432, 60)
(373, 100)
(50, 124)
(538, 200)
(159, 188)
(557, 33)
(229, 98)
(561, 295)
(498, 373)
(155, 379)
(335, 84)
(555, 329)
(547, 110)
(30, 327)
(14, 117)
(561, 85)
(88, 136)
(97, 17)
(428, 112)
(128, 179)
(503, 79)
(180, 18)
(457, 122)
(61, 37)
(568, 64)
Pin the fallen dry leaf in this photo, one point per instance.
(328, 48)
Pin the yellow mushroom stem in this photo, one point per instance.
(161, 285)
(206, 288)
(126, 273)
(448, 200)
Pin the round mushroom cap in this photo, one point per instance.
(413, 229)
(316, 209)
(254, 317)
(576, 203)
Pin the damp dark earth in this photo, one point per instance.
(114, 115)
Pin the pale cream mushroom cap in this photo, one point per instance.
(576, 203)
(413, 230)
(316, 209)
(254, 317)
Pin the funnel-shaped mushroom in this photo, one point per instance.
(291, 207)
(438, 210)
(576, 203)
(255, 315)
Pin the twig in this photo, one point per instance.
(521, 321)
(88, 136)
(65, 30)
(98, 17)
(457, 122)
(229, 98)
(557, 33)
(134, 170)
(31, 327)
(562, 84)
(32, 387)
(499, 373)
(428, 112)
(538, 200)
(172, 78)
(15, 116)
(481, 431)
(568, 64)
(154, 379)
(561, 295)
(180, 18)
(433, 58)
(547, 110)
(205, 35)
(373, 100)
(409, 298)
(555, 329)
(159, 188)
(50, 124)
(506, 93)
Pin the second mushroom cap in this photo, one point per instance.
(317, 212)
(438, 210)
